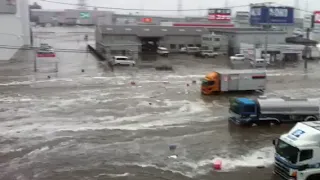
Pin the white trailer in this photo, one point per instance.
(242, 80)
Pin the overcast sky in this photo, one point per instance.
(311, 5)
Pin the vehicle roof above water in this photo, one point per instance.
(244, 71)
(303, 134)
(246, 101)
(121, 57)
(162, 48)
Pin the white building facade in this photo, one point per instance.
(15, 27)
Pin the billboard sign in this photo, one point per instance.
(316, 17)
(315, 22)
(8, 6)
(219, 14)
(147, 20)
(84, 15)
(244, 14)
(261, 15)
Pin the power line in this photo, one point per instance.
(126, 9)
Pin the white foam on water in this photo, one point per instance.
(262, 157)
(145, 165)
(114, 175)
(36, 152)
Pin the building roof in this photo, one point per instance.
(151, 31)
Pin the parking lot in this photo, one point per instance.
(97, 124)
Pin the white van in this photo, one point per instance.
(192, 50)
(163, 51)
(258, 63)
(122, 60)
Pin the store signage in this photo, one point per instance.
(219, 14)
(84, 15)
(147, 20)
(260, 15)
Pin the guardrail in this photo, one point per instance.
(94, 52)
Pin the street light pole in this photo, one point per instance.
(267, 26)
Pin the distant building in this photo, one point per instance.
(119, 40)
(15, 28)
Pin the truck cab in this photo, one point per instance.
(243, 111)
(297, 153)
(210, 84)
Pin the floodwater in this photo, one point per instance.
(96, 125)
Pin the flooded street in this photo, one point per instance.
(96, 125)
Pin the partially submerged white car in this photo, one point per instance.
(237, 57)
(162, 51)
(122, 60)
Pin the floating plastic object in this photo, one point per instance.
(49, 77)
(217, 165)
(188, 85)
(133, 83)
(150, 104)
(82, 70)
(194, 82)
(172, 147)
(173, 157)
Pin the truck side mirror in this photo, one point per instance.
(274, 141)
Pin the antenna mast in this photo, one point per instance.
(180, 7)
(226, 3)
(82, 4)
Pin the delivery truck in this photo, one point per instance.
(246, 111)
(233, 80)
(297, 153)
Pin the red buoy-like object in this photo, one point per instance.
(217, 165)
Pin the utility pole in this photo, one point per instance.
(267, 28)
(179, 8)
(306, 51)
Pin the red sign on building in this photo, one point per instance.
(316, 17)
(219, 14)
(147, 20)
(46, 55)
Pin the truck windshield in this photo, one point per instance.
(287, 151)
(235, 106)
(207, 83)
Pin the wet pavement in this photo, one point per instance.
(97, 125)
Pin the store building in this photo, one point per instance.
(144, 38)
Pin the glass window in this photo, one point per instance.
(287, 151)
(190, 45)
(234, 106)
(181, 46)
(249, 108)
(216, 48)
(306, 154)
(172, 46)
(198, 45)
(216, 39)
(207, 83)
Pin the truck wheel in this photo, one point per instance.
(206, 56)
(310, 118)
(275, 122)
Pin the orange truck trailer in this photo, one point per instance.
(233, 80)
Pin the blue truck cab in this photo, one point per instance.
(243, 111)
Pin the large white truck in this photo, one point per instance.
(297, 153)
